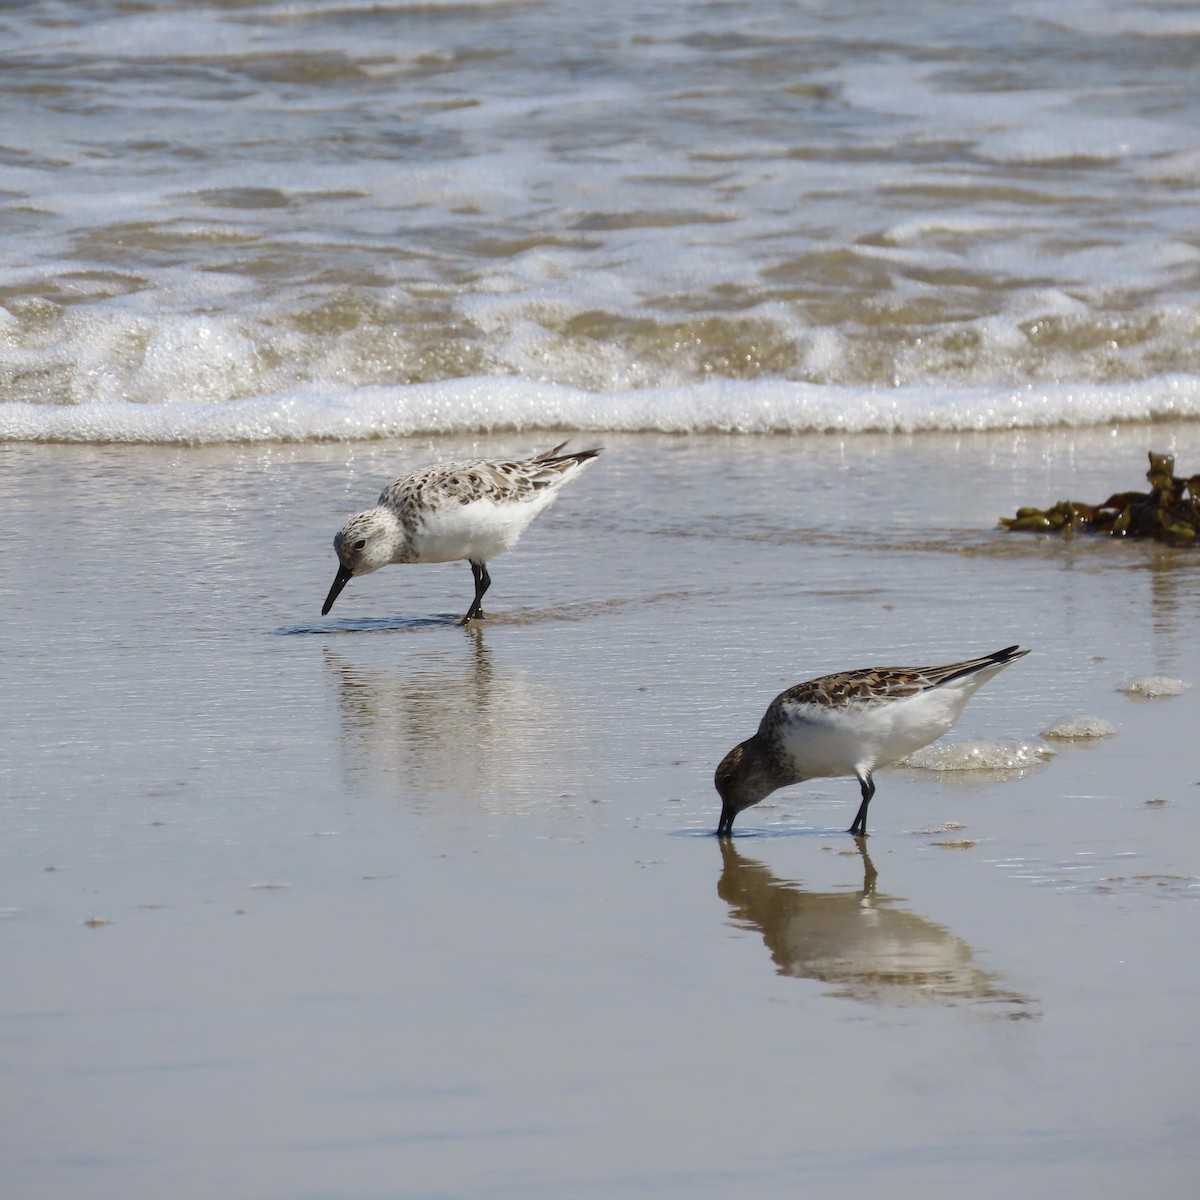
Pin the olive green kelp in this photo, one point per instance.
(1170, 511)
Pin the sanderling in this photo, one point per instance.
(473, 510)
(849, 724)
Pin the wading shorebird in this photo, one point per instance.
(849, 723)
(474, 509)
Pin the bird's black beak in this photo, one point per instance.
(342, 578)
(725, 826)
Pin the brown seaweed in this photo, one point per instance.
(1169, 512)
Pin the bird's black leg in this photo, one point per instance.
(859, 825)
(483, 581)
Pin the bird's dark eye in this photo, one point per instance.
(360, 544)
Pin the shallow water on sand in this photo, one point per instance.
(376, 906)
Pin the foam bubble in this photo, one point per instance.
(984, 754)
(1150, 687)
(1080, 728)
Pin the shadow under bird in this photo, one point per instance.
(469, 510)
(849, 723)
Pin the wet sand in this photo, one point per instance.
(373, 906)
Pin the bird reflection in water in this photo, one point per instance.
(450, 722)
(858, 942)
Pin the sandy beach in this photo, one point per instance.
(375, 906)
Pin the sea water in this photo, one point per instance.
(335, 220)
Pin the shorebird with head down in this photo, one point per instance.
(469, 510)
(849, 723)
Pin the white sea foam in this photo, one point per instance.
(1083, 728)
(358, 220)
(1118, 18)
(505, 403)
(1100, 140)
(1150, 687)
(983, 754)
